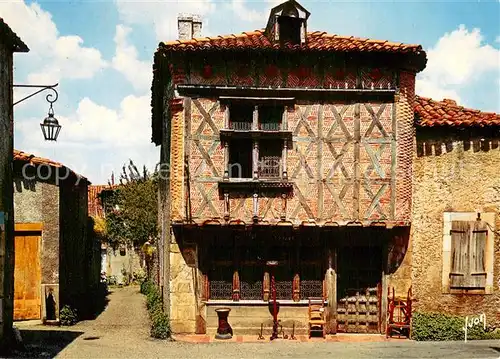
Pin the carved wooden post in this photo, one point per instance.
(296, 288)
(284, 124)
(255, 118)
(296, 279)
(283, 207)
(226, 206)
(283, 159)
(331, 292)
(266, 284)
(226, 117)
(226, 161)
(236, 286)
(236, 275)
(255, 207)
(255, 159)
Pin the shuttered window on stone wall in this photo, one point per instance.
(468, 243)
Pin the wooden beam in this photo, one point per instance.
(194, 91)
(284, 101)
(28, 227)
(357, 172)
(394, 154)
(319, 160)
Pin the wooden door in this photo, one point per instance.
(27, 276)
(358, 289)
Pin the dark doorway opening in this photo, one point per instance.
(359, 277)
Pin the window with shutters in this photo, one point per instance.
(468, 244)
(468, 252)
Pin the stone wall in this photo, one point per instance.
(452, 176)
(38, 202)
(6, 200)
(117, 262)
(246, 319)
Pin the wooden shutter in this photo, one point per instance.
(459, 246)
(468, 244)
(478, 237)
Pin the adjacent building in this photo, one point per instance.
(9, 44)
(456, 206)
(57, 257)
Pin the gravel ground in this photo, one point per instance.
(122, 331)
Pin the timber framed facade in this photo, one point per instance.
(289, 146)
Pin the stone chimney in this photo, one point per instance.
(189, 26)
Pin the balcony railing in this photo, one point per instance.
(269, 126)
(247, 126)
(269, 167)
(240, 126)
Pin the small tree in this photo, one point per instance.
(132, 209)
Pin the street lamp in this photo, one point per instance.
(50, 126)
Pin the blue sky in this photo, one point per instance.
(101, 52)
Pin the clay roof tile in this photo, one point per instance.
(448, 113)
(315, 40)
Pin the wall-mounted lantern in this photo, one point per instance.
(50, 126)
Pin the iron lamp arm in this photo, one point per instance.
(51, 97)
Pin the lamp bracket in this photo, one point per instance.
(51, 97)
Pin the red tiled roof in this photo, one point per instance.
(30, 158)
(431, 113)
(317, 40)
(6, 33)
(95, 206)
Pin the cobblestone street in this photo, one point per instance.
(121, 331)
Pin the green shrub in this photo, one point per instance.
(160, 324)
(146, 287)
(138, 276)
(68, 316)
(438, 327)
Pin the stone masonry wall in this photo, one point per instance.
(6, 200)
(39, 202)
(452, 177)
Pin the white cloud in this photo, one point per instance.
(51, 57)
(96, 140)
(162, 14)
(244, 13)
(139, 73)
(457, 60)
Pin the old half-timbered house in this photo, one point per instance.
(289, 146)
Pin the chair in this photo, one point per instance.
(398, 314)
(317, 322)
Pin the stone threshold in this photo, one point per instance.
(346, 338)
(287, 302)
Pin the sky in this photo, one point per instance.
(101, 51)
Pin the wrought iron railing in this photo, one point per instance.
(311, 289)
(269, 126)
(251, 290)
(269, 167)
(220, 289)
(284, 289)
(241, 126)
